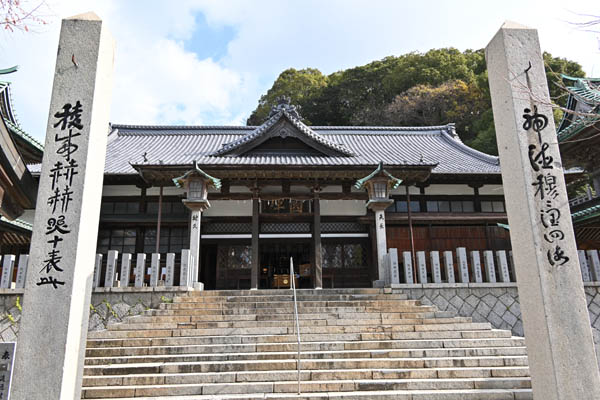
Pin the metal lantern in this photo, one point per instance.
(196, 183)
(378, 185)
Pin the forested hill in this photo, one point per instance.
(415, 89)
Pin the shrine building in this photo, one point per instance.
(245, 199)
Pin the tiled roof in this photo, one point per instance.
(586, 213)
(19, 223)
(584, 96)
(394, 146)
(8, 115)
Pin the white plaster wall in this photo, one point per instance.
(449, 190)
(332, 189)
(120, 190)
(229, 208)
(491, 190)
(299, 189)
(239, 189)
(343, 207)
(167, 191)
(401, 190)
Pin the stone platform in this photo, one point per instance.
(356, 344)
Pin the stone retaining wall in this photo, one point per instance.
(495, 303)
(108, 305)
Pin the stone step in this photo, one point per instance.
(358, 318)
(288, 343)
(107, 357)
(310, 364)
(311, 326)
(308, 334)
(263, 316)
(195, 298)
(299, 292)
(306, 376)
(275, 303)
(286, 309)
(314, 386)
(457, 394)
(244, 351)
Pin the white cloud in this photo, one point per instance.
(159, 81)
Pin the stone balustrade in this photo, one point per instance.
(463, 266)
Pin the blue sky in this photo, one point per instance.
(208, 62)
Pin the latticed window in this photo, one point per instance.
(122, 240)
(172, 240)
(350, 255)
(235, 257)
(380, 189)
(196, 191)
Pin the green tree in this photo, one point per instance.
(436, 87)
(300, 85)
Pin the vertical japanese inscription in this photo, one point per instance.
(63, 174)
(546, 189)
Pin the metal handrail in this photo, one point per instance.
(293, 287)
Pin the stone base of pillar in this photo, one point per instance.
(380, 283)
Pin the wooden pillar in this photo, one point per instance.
(158, 221)
(255, 232)
(139, 234)
(317, 254)
(410, 232)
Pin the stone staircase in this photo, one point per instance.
(356, 344)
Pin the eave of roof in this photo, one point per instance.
(9, 116)
(585, 214)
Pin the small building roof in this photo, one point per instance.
(584, 104)
(30, 148)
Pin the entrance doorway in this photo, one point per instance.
(275, 264)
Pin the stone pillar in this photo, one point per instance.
(394, 272)
(463, 266)
(422, 266)
(8, 267)
(583, 264)
(434, 257)
(490, 268)
(594, 264)
(170, 275)
(317, 250)
(476, 266)
(255, 241)
(50, 366)
(111, 268)
(97, 270)
(185, 277)
(154, 269)
(449, 266)
(22, 271)
(125, 269)
(558, 335)
(408, 270)
(381, 241)
(140, 269)
(502, 266)
(196, 219)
